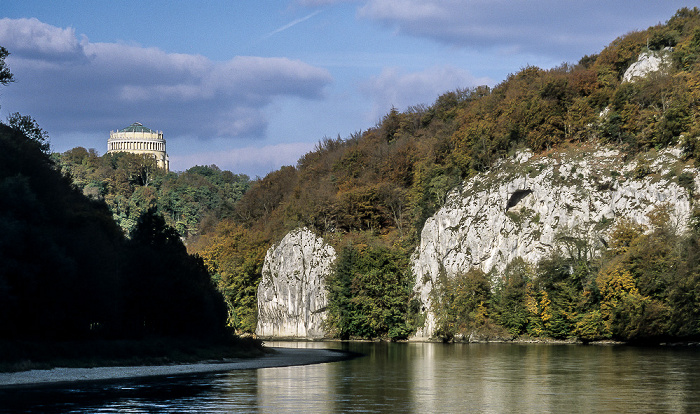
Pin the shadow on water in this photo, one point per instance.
(124, 395)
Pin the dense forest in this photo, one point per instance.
(69, 273)
(131, 184)
(370, 193)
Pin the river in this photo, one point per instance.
(409, 378)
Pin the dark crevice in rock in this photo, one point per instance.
(516, 197)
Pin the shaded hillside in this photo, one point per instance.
(376, 188)
(69, 273)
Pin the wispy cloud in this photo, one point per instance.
(291, 24)
(553, 27)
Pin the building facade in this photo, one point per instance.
(138, 139)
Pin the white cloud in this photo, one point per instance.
(33, 38)
(509, 25)
(71, 85)
(561, 28)
(400, 90)
(409, 10)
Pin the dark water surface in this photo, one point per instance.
(409, 378)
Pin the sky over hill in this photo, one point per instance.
(252, 85)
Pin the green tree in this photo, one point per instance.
(683, 297)
(191, 201)
(369, 294)
(561, 281)
(235, 256)
(636, 283)
(510, 297)
(339, 284)
(460, 303)
(171, 293)
(26, 125)
(5, 75)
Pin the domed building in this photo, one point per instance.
(137, 139)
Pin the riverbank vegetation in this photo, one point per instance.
(644, 288)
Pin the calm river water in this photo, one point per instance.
(410, 378)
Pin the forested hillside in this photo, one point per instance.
(369, 195)
(131, 184)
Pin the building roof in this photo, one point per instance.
(136, 127)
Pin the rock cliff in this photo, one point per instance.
(528, 206)
(292, 296)
(648, 62)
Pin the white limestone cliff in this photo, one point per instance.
(527, 206)
(648, 62)
(292, 296)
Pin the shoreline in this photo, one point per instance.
(281, 357)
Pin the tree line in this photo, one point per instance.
(132, 184)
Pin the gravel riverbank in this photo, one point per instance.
(281, 357)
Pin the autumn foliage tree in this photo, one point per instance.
(235, 254)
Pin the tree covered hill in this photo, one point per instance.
(68, 271)
(369, 194)
(131, 184)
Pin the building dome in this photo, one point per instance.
(138, 139)
(136, 127)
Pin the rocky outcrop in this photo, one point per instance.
(648, 62)
(528, 206)
(292, 295)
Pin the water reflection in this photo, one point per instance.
(410, 377)
(288, 388)
(554, 378)
(428, 377)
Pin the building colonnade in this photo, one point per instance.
(125, 145)
(138, 139)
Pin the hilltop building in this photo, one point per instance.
(137, 139)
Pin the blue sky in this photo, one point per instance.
(253, 85)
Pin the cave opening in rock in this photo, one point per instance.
(516, 197)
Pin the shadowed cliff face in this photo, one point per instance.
(292, 296)
(530, 206)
